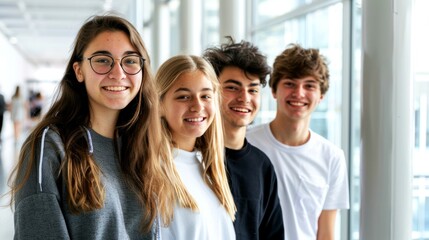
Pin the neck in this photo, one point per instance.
(105, 124)
(292, 133)
(186, 147)
(184, 143)
(234, 137)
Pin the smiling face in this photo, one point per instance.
(188, 107)
(111, 92)
(297, 98)
(240, 97)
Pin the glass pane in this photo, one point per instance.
(319, 29)
(271, 42)
(420, 220)
(420, 75)
(210, 24)
(415, 214)
(264, 10)
(174, 27)
(426, 216)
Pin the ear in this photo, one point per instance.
(161, 109)
(273, 93)
(321, 98)
(78, 71)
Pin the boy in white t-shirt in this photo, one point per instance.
(311, 171)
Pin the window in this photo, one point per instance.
(264, 9)
(319, 29)
(210, 23)
(420, 75)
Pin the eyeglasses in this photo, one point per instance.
(103, 64)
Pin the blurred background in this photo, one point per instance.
(36, 38)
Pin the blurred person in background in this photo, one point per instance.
(36, 107)
(18, 112)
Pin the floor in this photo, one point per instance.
(8, 155)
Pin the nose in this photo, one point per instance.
(196, 105)
(117, 72)
(298, 90)
(244, 96)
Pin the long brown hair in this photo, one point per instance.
(137, 125)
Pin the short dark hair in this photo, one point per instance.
(298, 62)
(243, 55)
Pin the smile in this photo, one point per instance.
(243, 110)
(199, 119)
(115, 88)
(298, 104)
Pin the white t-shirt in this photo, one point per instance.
(212, 221)
(311, 178)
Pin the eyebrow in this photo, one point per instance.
(304, 81)
(110, 54)
(310, 81)
(252, 84)
(188, 90)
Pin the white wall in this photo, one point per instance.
(14, 68)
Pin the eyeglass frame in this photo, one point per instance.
(113, 63)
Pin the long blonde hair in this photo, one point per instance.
(210, 143)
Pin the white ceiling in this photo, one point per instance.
(44, 30)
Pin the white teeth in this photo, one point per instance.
(297, 103)
(194, 119)
(244, 110)
(115, 89)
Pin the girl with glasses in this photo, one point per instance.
(190, 116)
(90, 168)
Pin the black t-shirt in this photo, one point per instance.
(253, 184)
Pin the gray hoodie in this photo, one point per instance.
(41, 209)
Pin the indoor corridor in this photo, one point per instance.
(8, 156)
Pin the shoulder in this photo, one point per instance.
(261, 157)
(261, 136)
(45, 160)
(256, 128)
(257, 131)
(255, 151)
(325, 144)
(49, 150)
(50, 138)
(51, 133)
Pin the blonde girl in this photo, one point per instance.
(189, 96)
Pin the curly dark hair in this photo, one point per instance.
(243, 55)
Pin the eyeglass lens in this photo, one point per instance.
(102, 64)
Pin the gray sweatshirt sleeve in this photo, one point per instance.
(39, 216)
(38, 206)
